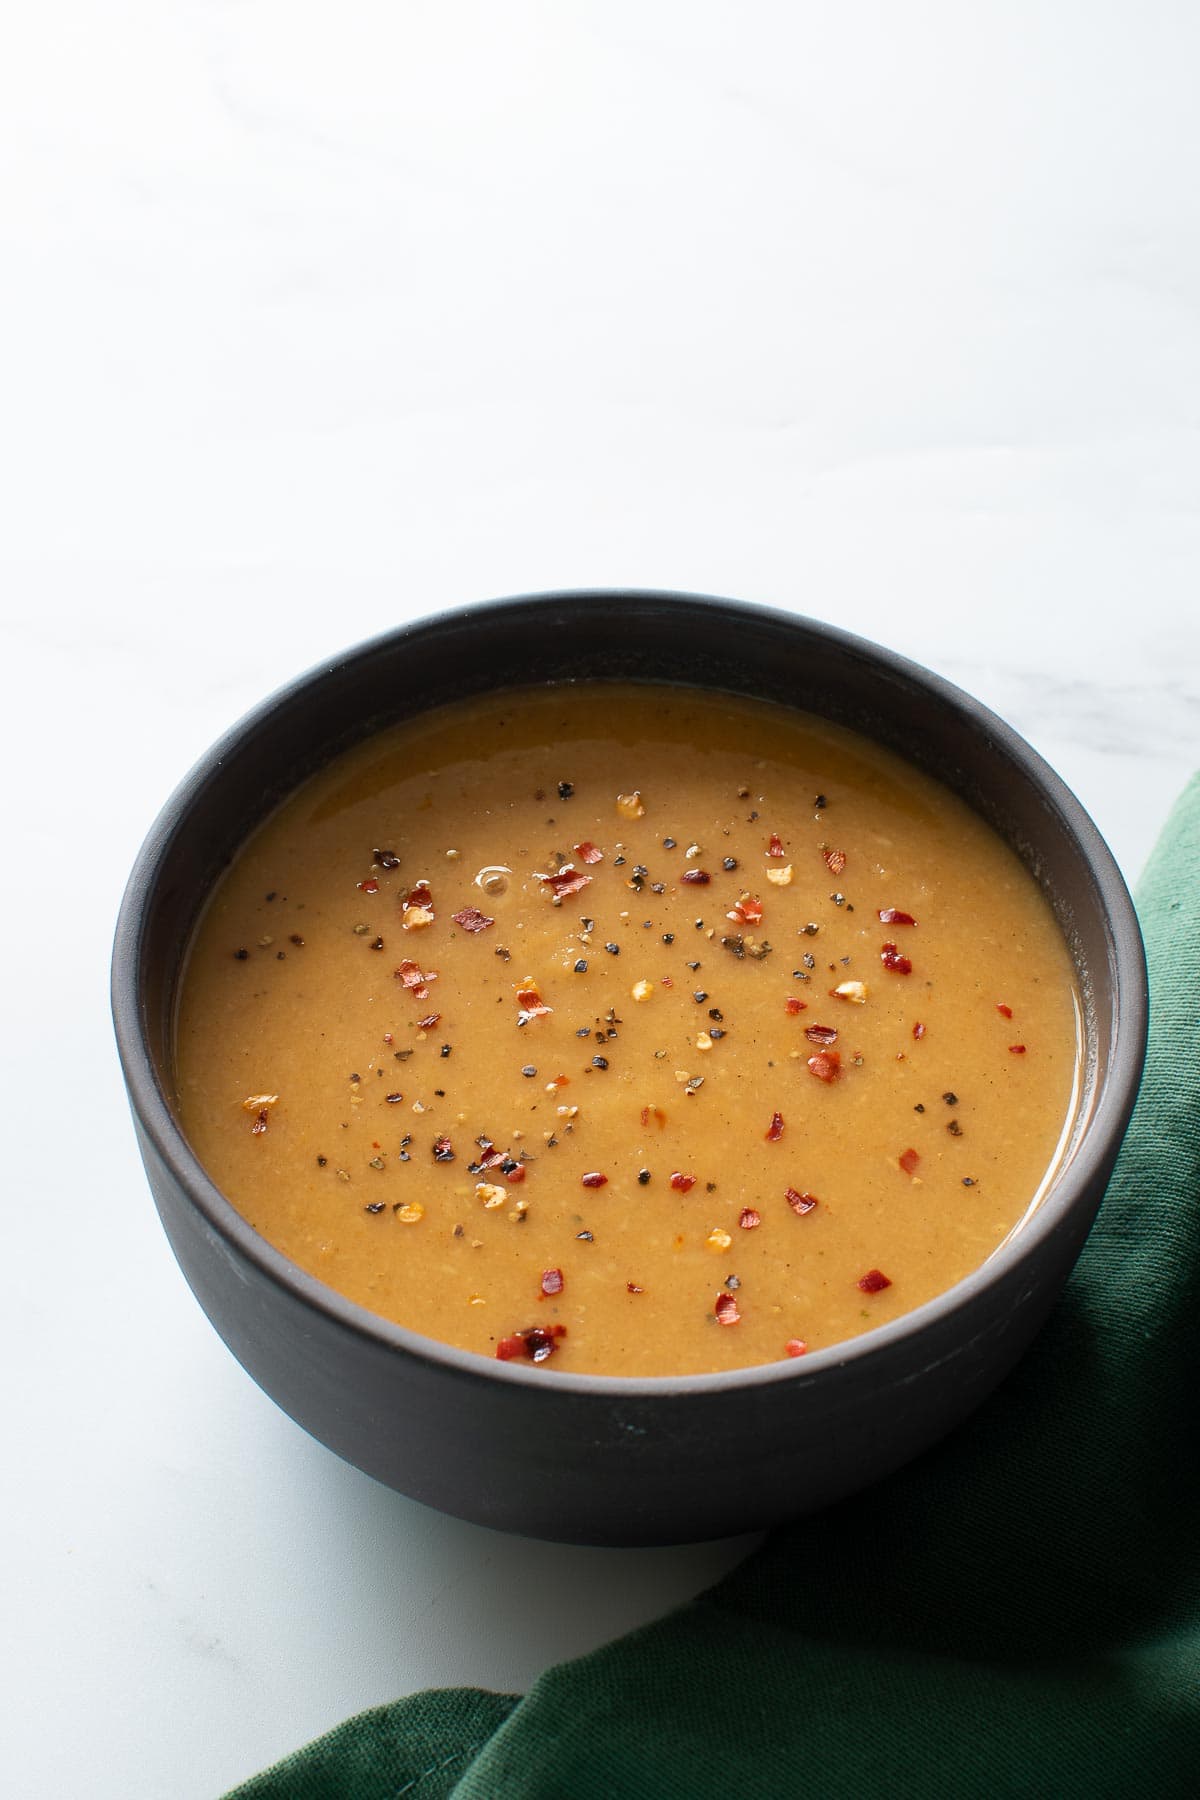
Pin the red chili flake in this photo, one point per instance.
(388, 1038)
(567, 880)
(874, 1281)
(410, 976)
(1006, 1011)
(540, 1342)
(631, 1287)
(536, 1341)
(749, 1219)
(908, 1162)
(891, 915)
(421, 896)
(588, 852)
(746, 911)
(795, 1347)
(260, 1123)
(681, 1182)
(560, 1081)
(918, 1030)
(726, 1309)
(443, 1150)
(775, 1128)
(516, 1175)
(594, 1178)
(531, 1004)
(775, 847)
(369, 886)
(793, 1005)
(1017, 1049)
(891, 958)
(656, 1113)
(428, 1022)
(835, 860)
(821, 1034)
(696, 877)
(800, 1203)
(471, 919)
(552, 1282)
(826, 1065)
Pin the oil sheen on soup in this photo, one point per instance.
(628, 1030)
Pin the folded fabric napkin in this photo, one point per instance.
(1015, 1614)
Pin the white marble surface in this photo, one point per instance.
(319, 317)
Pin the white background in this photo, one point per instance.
(319, 317)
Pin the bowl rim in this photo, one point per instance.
(1068, 1191)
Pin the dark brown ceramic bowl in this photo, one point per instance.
(580, 1457)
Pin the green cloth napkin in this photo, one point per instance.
(1015, 1614)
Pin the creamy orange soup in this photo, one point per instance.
(628, 1030)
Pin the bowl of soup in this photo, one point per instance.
(626, 1067)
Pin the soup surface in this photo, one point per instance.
(632, 1030)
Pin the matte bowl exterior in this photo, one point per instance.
(583, 1458)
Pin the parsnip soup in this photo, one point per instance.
(628, 1030)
